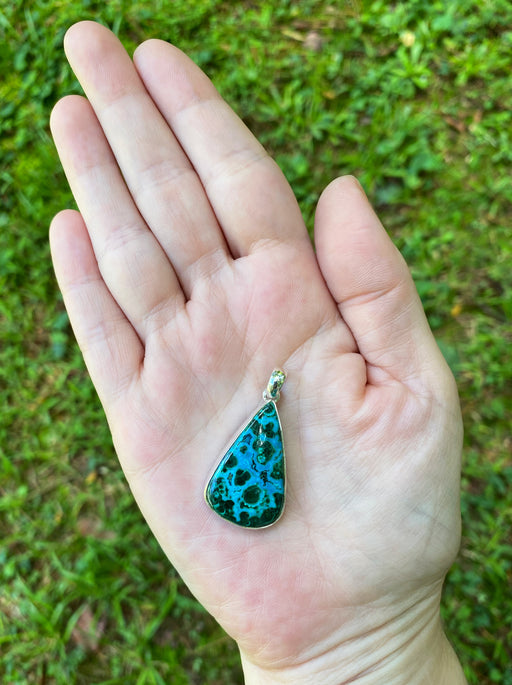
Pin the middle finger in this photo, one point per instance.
(161, 179)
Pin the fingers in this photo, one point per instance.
(160, 178)
(130, 259)
(249, 194)
(371, 283)
(112, 351)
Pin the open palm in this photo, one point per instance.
(188, 276)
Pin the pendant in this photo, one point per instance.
(248, 486)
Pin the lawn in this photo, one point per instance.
(414, 98)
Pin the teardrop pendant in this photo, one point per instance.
(248, 486)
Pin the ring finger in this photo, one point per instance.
(131, 261)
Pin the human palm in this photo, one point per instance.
(188, 276)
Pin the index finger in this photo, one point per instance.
(251, 197)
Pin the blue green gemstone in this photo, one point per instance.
(248, 486)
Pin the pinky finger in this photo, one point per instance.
(111, 348)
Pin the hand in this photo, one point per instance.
(188, 276)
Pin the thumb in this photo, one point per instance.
(374, 290)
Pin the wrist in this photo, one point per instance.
(410, 649)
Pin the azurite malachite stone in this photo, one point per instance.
(248, 486)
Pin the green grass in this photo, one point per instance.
(415, 99)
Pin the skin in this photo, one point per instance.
(188, 276)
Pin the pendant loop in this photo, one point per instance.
(275, 383)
